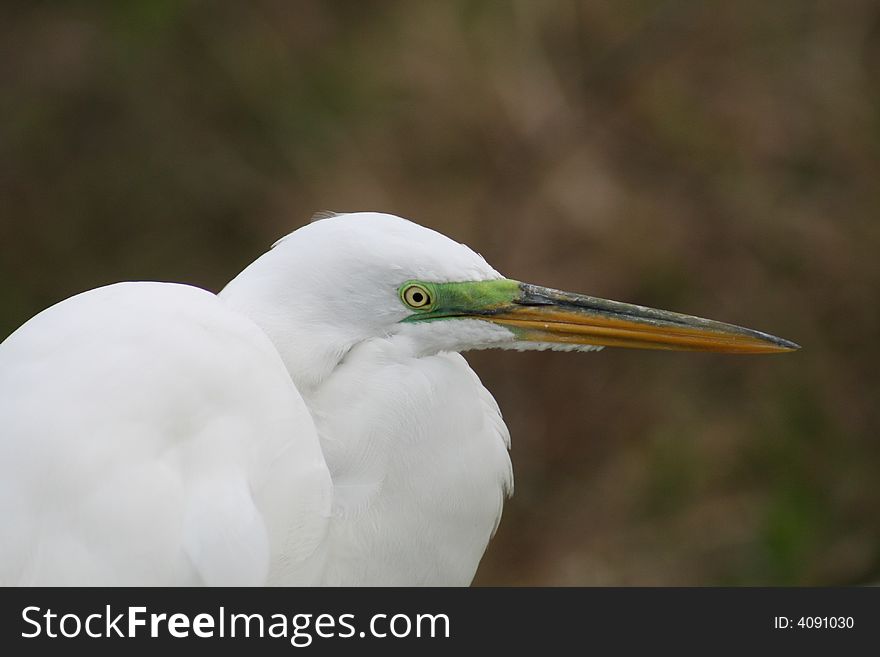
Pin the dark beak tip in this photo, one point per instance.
(783, 344)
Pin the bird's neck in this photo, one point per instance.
(415, 445)
(310, 351)
(417, 452)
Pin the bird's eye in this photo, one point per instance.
(416, 296)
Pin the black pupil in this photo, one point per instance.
(418, 297)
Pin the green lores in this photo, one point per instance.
(442, 300)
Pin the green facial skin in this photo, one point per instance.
(464, 298)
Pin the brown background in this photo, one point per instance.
(715, 158)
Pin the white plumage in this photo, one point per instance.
(152, 434)
(311, 424)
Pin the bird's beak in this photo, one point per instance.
(540, 314)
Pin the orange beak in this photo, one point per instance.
(540, 314)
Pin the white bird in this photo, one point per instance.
(313, 423)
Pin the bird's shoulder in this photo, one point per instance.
(154, 400)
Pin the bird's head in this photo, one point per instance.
(348, 278)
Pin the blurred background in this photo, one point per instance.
(719, 159)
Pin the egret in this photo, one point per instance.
(312, 424)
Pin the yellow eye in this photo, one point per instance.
(416, 296)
